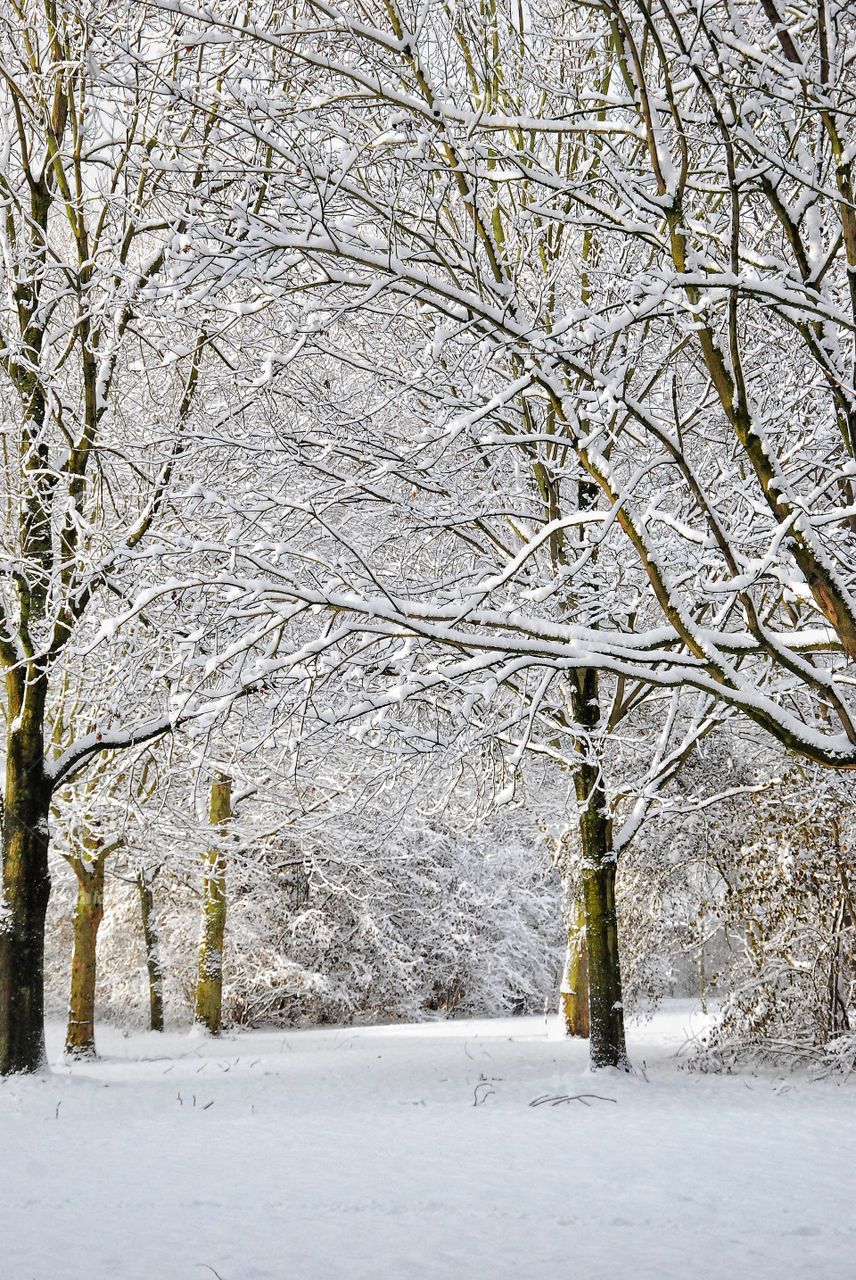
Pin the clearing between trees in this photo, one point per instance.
(415, 1150)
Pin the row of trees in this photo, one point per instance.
(384, 901)
(439, 370)
(372, 907)
(87, 854)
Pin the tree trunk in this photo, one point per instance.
(209, 985)
(150, 937)
(702, 978)
(88, 914)
(575, 985)
(26, 878)
(606, 1009)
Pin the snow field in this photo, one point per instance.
(413, 1152)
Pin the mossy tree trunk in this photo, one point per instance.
(26, 877)
(606, 1009)
(575, 986)
(209, 985)
(145, 880)
(88, 914)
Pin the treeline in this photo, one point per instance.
(450, 408)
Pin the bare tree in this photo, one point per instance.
(106, 167)
(573, 206)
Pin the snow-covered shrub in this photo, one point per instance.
(788, 910)
(367, 921)
(428, 920)
(749, 901)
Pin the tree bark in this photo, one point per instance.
(209, 985)
(88, 914)
(152, 944)
(575, 985)
(607, 1046)
(606, 1009)
(26, 877)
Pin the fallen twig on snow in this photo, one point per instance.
(555, 1099)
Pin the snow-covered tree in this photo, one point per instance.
(579, 251)
(573, 208)
(109, 171)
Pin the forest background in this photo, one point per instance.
(428, 518)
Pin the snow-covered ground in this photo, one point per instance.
(413, 1151)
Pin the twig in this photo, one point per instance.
(486, 1084)
(555, 1099)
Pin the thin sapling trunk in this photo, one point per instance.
(145, 880)
(209, 986)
